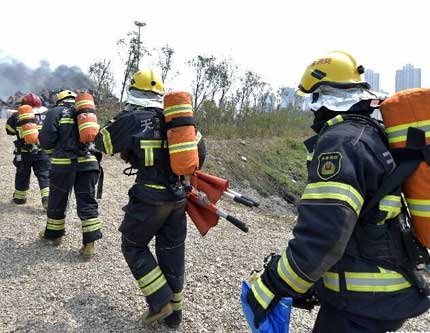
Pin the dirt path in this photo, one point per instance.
(48, 289)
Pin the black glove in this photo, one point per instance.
(259, 312)
(307, 301)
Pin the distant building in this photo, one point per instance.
(372, 78)
(408, 77)
(288, 96)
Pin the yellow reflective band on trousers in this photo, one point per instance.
(177, 109)
(107, 142)
(391, 204)
(91, 124)
(262, 294)
(20, 194)
(44, 192)
(91, 225)
(87, 159)
(56, 225)
(152, 282)
(61, 161)
(63, 121)
(384, 281)
(399, 133)
(336, 191)
(290, 277)
(177, 301)
(148, 147)
(331, 281)
(49, 151)
(419, 207)
(184, 146)
(336, 120)
(10, 128)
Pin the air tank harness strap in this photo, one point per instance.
(408, 159)
(180, 121)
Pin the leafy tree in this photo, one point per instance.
(203, 73)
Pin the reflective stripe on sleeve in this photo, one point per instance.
(390, 204)
(198, 136)
(309, 156)
(10, 129)
(385, 281)
(107, 142)
(49, 151)
(290, 277)
(331, 281)
(262, 294)
(157, 187)
(336, 191)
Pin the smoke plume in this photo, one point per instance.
(16, 76)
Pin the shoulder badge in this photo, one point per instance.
(329, 165)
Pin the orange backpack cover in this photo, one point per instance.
(181, 133)
(86, 116)
(29, 128)
(411, 108)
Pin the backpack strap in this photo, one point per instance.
(408, 159)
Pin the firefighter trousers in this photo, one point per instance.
(23, 173)
(84, 185)
(161, 280)
(331, 319)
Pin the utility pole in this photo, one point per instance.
(139, 25)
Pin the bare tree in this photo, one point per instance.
(203, 72)
(130, 51)
(249, 82)
(102, 77)
(165, 61)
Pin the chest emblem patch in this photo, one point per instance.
(329, 165)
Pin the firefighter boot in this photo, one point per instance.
(87, 250)
(19, 201)
(55, 241)
(174, 320)
(149, 316)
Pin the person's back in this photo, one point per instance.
(29, 156)
(74, 166)
(350, 253)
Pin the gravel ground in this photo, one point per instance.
(51, 289)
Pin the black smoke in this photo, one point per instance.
(16, 76)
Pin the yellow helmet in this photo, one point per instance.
(62, 95)
(147, 80)
(337, 69)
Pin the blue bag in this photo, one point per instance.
(277, 320)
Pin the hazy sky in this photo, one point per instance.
(274, 38)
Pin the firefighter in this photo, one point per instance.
(157, 200)
(351, 257)
(74, 166)
(29, 157)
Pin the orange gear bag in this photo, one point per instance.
(29, 128)
(86, 117)
(181, 133)
(411, 108)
